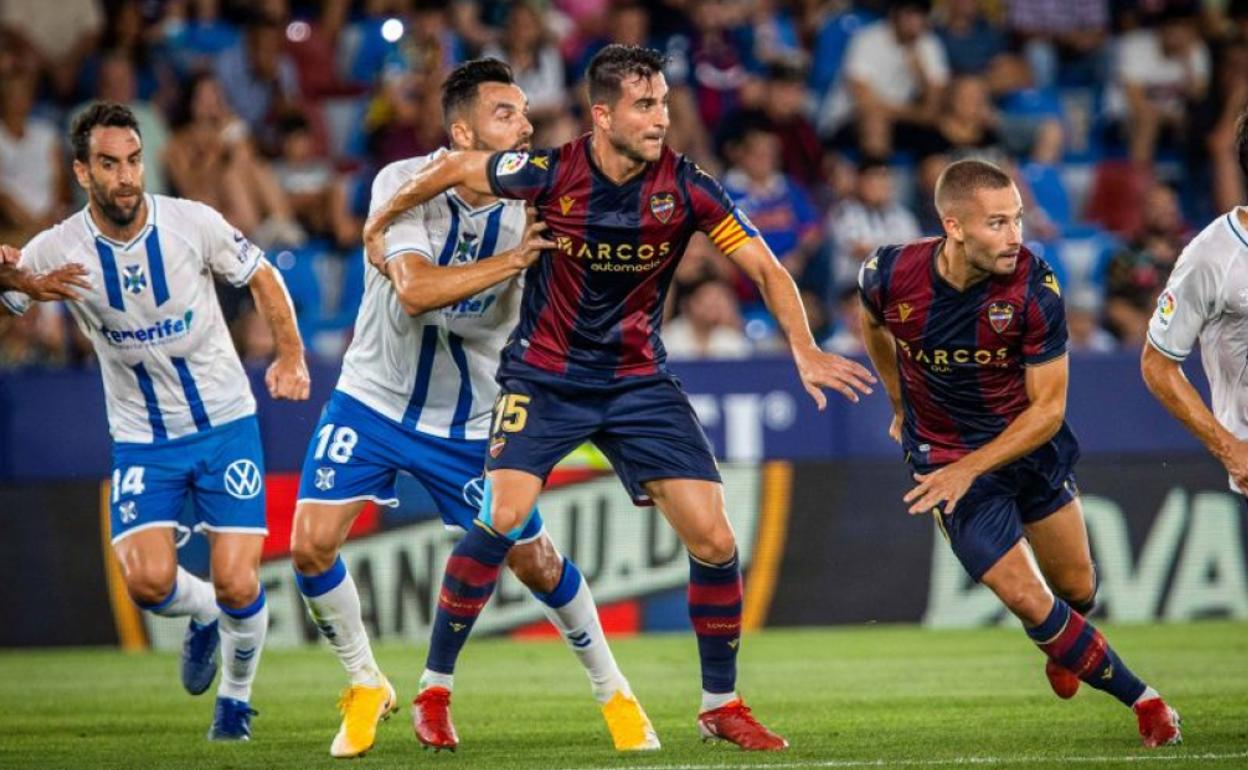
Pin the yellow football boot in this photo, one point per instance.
(362, 707)
(630, 727)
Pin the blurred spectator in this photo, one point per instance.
(196, 34)
(1136, 275)
(712, 65)
(430, 44)
(363, 50)
(775, 203)
(833, 33)
(258, 78)
(968, 121)
(118, 83)
(892, 87)
(535, 62)
(860, 225)
(1160, 71)
(783, 102)
(846, 337)
(34, 190)
(1224, 103)
(708, 326)
(126, 35)
(211, 159)
(1062, 40)
(316, 192)
(404, 118)
(39, 337)
(56, 36)
(1083, 322)
(976, 46)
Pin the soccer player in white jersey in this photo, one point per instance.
(180, 410)
(415, 395)
(1206, 298)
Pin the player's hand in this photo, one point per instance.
(820, 370)
(287, 378)
(61, 283)
(9, 255)
(948, 485)
(894, 428)
(533, 244)
(1237, 465)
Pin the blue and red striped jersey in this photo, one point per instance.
(592, 306)
(962, 354)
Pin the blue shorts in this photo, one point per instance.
(223, 467)
(989, 519)
(356, 454)
(644, 425)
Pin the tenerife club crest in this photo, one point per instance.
(134, 280)
(662, 205)
(1000, 315)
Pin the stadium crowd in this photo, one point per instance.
(828, 122)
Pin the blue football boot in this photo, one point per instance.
(199, 656)
(231, 720)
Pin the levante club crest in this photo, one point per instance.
(1000, 314)
(662, 205)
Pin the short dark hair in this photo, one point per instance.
(613, 64)
(99, 114)
(962, 178)
(460, 89)
(1241, 142)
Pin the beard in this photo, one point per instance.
(628, 151)
(119, 215)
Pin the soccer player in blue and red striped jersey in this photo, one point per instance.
(968, 335)
(586, 362)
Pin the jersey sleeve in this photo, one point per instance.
(871, 286)
(1189, 301)
(1044, 332)
(227, 252)
(714, 213)
(523, 176)
(408, 233)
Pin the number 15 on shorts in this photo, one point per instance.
(510, 413)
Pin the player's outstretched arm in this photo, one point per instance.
(422, 287)
(287, 377)
(882, 351)
(61, 283)
(1039, 422)
(452, 169)
(816, 368)
(1166, 381)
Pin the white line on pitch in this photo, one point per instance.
(1037, 760)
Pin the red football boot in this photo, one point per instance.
(1063, 681)
(1159, 724)
(431, 719)
(734, 723)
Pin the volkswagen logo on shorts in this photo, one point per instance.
(474, 492)
(242, 479)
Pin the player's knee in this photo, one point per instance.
(236, 590)
(1030, 604)
(505, 518)
(538, 568)
(1078, 588)
(150, 587)
(312, 555)
(714, 546)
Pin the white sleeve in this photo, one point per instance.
(1191, 299)
(227, 252)
(408, 232)
(858, 59)
(935, 63)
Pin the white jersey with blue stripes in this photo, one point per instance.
(168, 363)
(435, 372)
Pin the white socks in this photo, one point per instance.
(578, 622)
(714, 700)
(242, 638)
(435, 679)
(191, 596)
(334, 604)
(1148, 694)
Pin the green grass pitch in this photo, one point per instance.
(864, 697)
